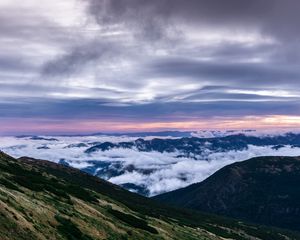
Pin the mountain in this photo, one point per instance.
(193, 146)
(264, 190)
(147, 134)
(135, 134)
(44, 200)
(151, 166)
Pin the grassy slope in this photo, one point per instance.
(43, 200)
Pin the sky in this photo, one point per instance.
(78, 66)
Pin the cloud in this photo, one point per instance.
(77, 57)
(86, 65)
(141, 59)
(233, 13)
(159, 172)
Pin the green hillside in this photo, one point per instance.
(44, 200)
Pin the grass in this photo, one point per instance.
(133, 221)
(68, 229)
(63, 203)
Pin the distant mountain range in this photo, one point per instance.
(193, 147)
(153, 165)
(181, 134)
(146, 134)
(44, 200)
(129, 134)
(263, 190)
(175, 134)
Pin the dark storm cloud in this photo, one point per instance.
(278, 17)
(147, 19)
(156, 22)
(155, 19)
(78, 57)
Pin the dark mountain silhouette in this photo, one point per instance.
(263, 190)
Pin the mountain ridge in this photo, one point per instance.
(262, 190)
(190, 146)
(41, 199)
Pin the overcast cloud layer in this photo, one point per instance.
(148, 61)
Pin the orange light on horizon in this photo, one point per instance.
(218, 123)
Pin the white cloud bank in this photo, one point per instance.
(159, 172)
